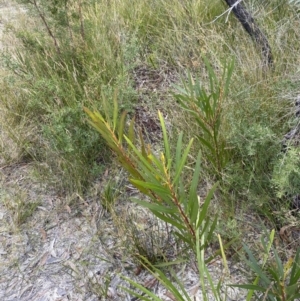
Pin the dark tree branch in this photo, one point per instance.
(253, 30)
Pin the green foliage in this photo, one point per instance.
(20, 207)
(286, 176)
(67, 59)
(109, 196)
(177, 289)
(206, 108)
(274, 281)
(255, 149)
(25, 210)
(80, 52)
(173, 284)
(254, 133)
(150, 242)
(159, 177)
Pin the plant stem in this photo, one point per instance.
(47, 26)
(183, 215)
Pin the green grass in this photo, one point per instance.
(19, 207)
(87, 55)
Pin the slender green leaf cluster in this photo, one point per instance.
(159, 176)
(276, 282)
(206, 107)
(174, 285)
(178, 291)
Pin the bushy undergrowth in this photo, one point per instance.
(75, 54)
(66, 59)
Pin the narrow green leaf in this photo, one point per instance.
(131, 169)
(269, 246)
(142, 162)
(204, 230)
(189, 87)
(188, 239)
(159, 166)
(141, 188)
(253, 264)
(163, 279)
(216, 291)
(154, 207)
(201, 263)
(206, 143)
(106, 109)
(165, 136)
(204, 208)
(275, 274)
(182, 162)
(121, 126)
(176, 292)
(212, 227)
(178, 152)
(295, 273)
(212, 75)
(181, 192)
(294, 297)
(115, 111)
(291, 290)
(203, 126)
(218, 252)
(193, 204)
(207, 108)
(106, 134)
(141, 288)
(230, 68)
(161, 191)
(99, 116)
(171, 218)
(143, 147)
(182, 91)
(279, 269)
(171, 263)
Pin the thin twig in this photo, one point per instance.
(228, 11)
